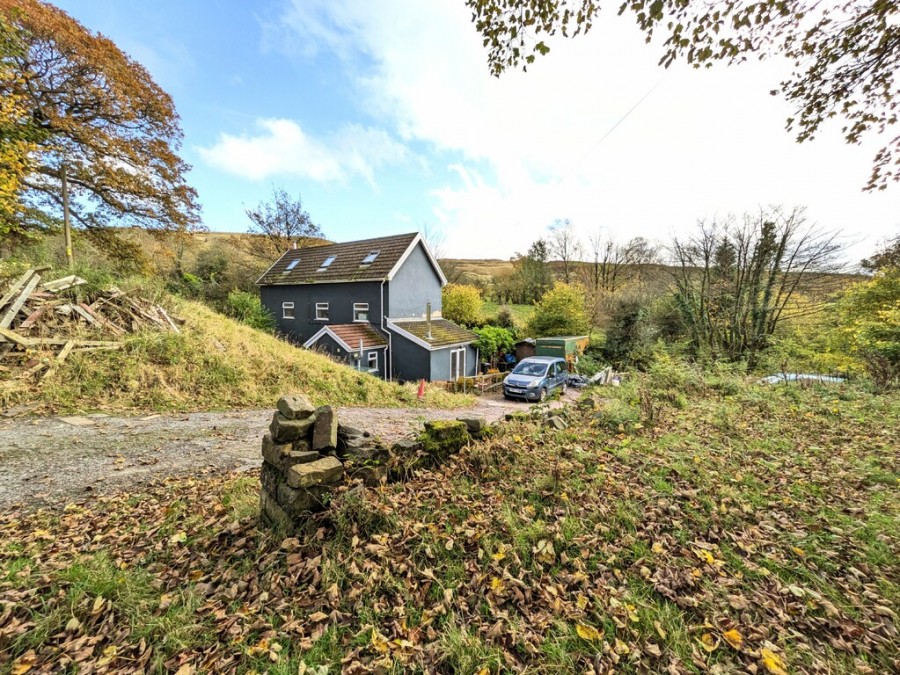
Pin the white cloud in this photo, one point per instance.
(528, 145)
(283, 148)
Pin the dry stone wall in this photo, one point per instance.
(307, 454)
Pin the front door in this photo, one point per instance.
(457, 363)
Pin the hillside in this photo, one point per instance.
(214, 363)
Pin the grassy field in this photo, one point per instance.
(691, 524)
(214, 363)
(521, 313)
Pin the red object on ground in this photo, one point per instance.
(421, 389)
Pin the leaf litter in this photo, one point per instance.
(679, 547)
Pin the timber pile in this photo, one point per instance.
(38, 315)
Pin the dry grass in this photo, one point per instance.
(214, 363)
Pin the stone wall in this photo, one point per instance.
(307, 454)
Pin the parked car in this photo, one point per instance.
(534, 378)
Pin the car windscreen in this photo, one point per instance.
(530, 369)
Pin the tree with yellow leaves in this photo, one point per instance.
(103, 126)
(17, 144)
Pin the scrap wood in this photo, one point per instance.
(15, 286)
(10, 314)
(78, 309)
(63, 354)
(12, 336)
(168, 319)
(62, 284)
(33, 317)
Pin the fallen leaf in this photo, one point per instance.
(588, 633)
(708, 642)
(733, 638)
(772, 662)
(24, 663)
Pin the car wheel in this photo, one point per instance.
(543, 396)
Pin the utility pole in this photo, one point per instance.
(67, 226)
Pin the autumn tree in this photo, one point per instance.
(17, 139)
(107, 130)
(560, 312)
(565, 246)
(845, 54)
(462, 304)
(532, 272)
(610, 265)
(887, 256)
(278, 225)
(737, 282)
(870, 325)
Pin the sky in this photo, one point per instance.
(383, 117)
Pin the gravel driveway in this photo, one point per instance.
(50, 461)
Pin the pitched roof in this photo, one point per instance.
(349, 335)
(305, 265)
(443, 332)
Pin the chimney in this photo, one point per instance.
(295, 245)
(428, 317)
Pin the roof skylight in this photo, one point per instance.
(369, 259)
(327, 262)
(291, 265)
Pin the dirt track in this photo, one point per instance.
(52, 461)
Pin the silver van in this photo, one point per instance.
(534, 378)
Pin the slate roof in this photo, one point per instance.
(346, 266)
(352, 333)
(443, 332)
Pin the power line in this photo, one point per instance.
(611, 129)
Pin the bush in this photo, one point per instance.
(462, 304)
(248, 308)
(491, 339)
(631, 333)
(505, 320)
(560, 312)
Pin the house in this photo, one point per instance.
(374, 303)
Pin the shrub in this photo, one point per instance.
(505, 320)
(248, 308)
(462, 304)
(491, 339)
(870, 318)
(631, 333)
(560, 312)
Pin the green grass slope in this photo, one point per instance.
(214, 363)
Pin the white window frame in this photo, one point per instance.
(362, 307)
(460, 363)
(321, 311)
(372, 359)
(285, 307)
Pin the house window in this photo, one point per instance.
(321, 311)
(369, 259)
(457, 363)
(326, 263)
(287, 310)
(360, 311)
(373, 360)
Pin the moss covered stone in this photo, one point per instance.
(443, 438)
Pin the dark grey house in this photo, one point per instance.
(374, 303)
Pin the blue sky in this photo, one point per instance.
(384, 118)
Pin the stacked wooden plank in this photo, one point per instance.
(38, 315)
